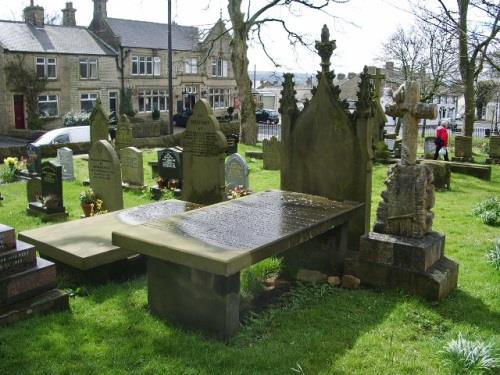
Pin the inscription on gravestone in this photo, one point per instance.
(236, 172)
(65, 156)
(105, 175)
(170, 163)
(132, 166)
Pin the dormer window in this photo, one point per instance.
(46, 67)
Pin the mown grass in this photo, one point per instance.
(324, 330)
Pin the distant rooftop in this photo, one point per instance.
(142, 34)
(24, 37)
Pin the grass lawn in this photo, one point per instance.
(320, 330)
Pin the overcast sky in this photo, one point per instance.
(359, 26)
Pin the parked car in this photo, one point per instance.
(267, 116)
(181, 119)
(74, 134)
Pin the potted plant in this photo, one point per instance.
(87, 200)
(162, 184)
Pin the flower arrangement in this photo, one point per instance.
(87, 197)
(238, 192)
(91, 205)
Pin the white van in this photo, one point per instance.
(74, 134)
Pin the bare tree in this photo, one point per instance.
(247, 22)
(474, 40)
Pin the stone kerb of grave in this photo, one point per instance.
(204, 147)
(105, 175)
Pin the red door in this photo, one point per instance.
(19, 111)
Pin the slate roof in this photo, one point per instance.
(23, 37)
(142, 34)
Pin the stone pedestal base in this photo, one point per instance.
(417, 266)
(36, 209)
(193, 298)
(48, 302)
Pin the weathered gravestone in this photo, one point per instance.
(124, 137)
(65, 157)
(327, 151)
(429, 147)
(203, 160)
(34, 189)
(132, 167)
(170, 164)
(463, 149)
(271, 151)
(403, 251)
(98, 124)
(27, 283)
(378, 77)
(494, 154)
(105, 175)
(34, 162)
(441, 172)
(237, 172)
(51, 207)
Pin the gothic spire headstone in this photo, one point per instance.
(403, 251)
(98, 124)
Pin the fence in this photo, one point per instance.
(431, 131)
(267, 131)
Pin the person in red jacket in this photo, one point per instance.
(442, 139)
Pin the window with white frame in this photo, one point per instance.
(48, 106)
(87, 101)
(113, 102)
(219, 98)
(88, 68)
(149, 100)
(146, 65)
(46, 67)
(191, 66)
(219, 67)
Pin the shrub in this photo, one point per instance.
(76, 119)
(493, 256)
(488, 211)
(155, 114)
(470, 357)
(126, 107)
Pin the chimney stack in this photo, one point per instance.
(351, 75)
(69, 15)
(34, 15)
(100, 10)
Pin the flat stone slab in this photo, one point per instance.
(480, 171)
(224, 238)
(86, 244)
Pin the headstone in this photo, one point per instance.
(26, 282)
(132, 166)
(326, 150)
(34, 189)
(463, 149)
(105, 175)
(124, 137)
(403, 251)
(170, 164)
(237, 172)
(429, 147)
(34, 159)
(232, 144)
(271, 150)
(51, 207)
(441, 172)
(98, 124)
(494, 154)
(203, 160)
(377, 78)
(65, 156)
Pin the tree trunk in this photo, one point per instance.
(239, 60)
(470, 102)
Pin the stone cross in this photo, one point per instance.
(377, 79)
(407, 106)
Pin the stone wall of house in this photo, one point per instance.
(68, 87)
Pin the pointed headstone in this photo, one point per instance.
(105, 175)
(271, 153)
(124, 137)
(98, 124)
(203, 160)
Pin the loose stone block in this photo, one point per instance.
(350, 282)
(28, 283)
(237, 172)
(105, 175)
(131, 161)
(272, 154)
(463, 149)
(204, 153)
(7, 238)
(65, 157)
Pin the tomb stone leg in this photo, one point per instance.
(193, 298)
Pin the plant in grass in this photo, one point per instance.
(470, 357)
(11, 167)
(493, 256)
(87, 202)
(488, 210)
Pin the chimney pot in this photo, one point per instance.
(69, 18)
(34, 15)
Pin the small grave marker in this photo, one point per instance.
(65, 156)
(237, 172)
(132, 167)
